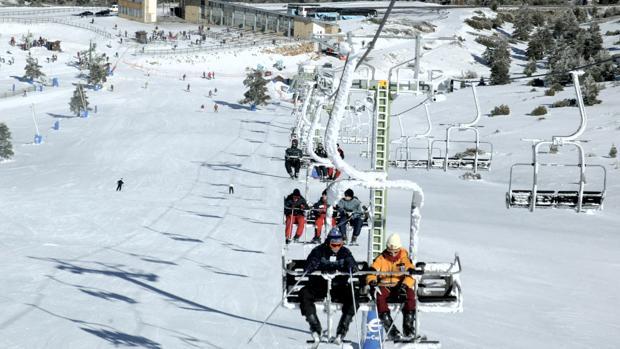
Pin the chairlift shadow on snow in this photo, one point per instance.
(235, 247)
(254, 141)
(175, 236)
(106, 332)
(123, 339)
(234, 106)
(60, 116)
(135, 279)
(204, 215)
(479, 59)
(213, 197)
(237, 167)
(238, 155)
(109, 296)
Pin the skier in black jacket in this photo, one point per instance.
(292, 159)
(295, 207)
(329, 257)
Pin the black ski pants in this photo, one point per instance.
(291, 164)
(317, 290)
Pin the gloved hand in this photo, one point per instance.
(372, 288)
(413, 271)
(403, 288)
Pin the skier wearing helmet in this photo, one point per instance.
(331, 256)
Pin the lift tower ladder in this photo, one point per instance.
(380, 153)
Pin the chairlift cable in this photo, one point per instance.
(410, 109)
(371, 44)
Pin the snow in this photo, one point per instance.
(174, 261)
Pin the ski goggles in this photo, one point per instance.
(336, 243)
(393, 252)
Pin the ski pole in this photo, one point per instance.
(357, 331)
(276, 308)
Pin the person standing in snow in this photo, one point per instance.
(394, 259)
(215, 107)
(187, 88)
(329, 257)
(119, 184)
(333, 173)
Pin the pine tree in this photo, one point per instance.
(500, 64)
(593, 41)
(32, 69)
(257, 88)
(565, 26)
(530, 68)
(590, 90)
(523, 25)
(6, 148)
(97, 70)
(605, 71)
(535, 47)
(562, 59)
(79, 100)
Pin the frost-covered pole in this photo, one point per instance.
(36, 127)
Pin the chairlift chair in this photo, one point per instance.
(438, 286)
(481, 157)
(580, 199)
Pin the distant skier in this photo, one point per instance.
(210, 93)
(394, 258)
(119, 184)
(292, 159)
(330, 256)
(215, 90)
(184, 77)
(320, 213)
(295, 207)
(231, 189)
(215, 107)
(350, 211)
(187, 88)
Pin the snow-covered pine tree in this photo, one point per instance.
(6, 148)
(536, 47)
(605, 71)
(79, 100)
(257, 88)
(97, 70)
(522, 24)
(590, 90)
(593, 41)
(500, 65)
(530, 68)
(32, 71)
(562, 59)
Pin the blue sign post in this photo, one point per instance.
(56, 125)
(38, 139)
(374, 331)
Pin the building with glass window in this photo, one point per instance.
(138, 10)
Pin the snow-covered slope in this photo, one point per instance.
(174, 261)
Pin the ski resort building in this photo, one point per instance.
(144, 11)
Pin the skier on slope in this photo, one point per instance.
(292, 159)
(295, 207)
(394, 259)
(329, 257)
(350, 211)
(320, 211)
(119, 184)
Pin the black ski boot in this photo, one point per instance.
(353, 239)
(316, 240)
(409, 324)
(343, 327)
(315, 326)
(388, 326)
